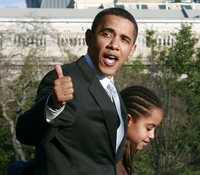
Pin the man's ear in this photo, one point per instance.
(133, 49)
(88, 37)
(131, 52)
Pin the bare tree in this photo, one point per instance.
(24, 59)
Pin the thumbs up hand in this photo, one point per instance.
(63, 88)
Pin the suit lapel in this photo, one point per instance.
(102, 99)
(108, 109)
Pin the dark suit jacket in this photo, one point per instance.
(82, 139)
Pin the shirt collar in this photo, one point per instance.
(89, 61)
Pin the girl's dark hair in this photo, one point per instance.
(139, 101)
(117, 12)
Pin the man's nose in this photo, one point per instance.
(114, 43)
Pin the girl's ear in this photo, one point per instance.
(130, 120)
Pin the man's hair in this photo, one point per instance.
(117, 12)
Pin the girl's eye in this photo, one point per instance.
(149, 129)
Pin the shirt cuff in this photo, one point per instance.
(50, 113)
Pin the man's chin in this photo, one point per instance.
(108, 73)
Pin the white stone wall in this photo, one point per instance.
(58, 35)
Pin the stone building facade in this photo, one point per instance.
(52, 33)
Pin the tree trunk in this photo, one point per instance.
(20, 154)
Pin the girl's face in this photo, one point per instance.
(142, 129)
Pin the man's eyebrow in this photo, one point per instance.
(107, 29)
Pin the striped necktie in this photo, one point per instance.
(114, 97)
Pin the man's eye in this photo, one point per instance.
(125, 40)
(107, 35)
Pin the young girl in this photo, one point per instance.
(145, 112)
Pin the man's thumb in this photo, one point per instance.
(59, 71)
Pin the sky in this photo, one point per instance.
(12, 4)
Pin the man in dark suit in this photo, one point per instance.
(83, 134)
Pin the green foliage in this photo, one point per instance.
(188, 171)
(129, 74)
(181, 56)
(150, 40)
(6, 150)
(142, 159)
(185, 60)
(174, 74)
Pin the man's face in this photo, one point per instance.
(111, 44)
